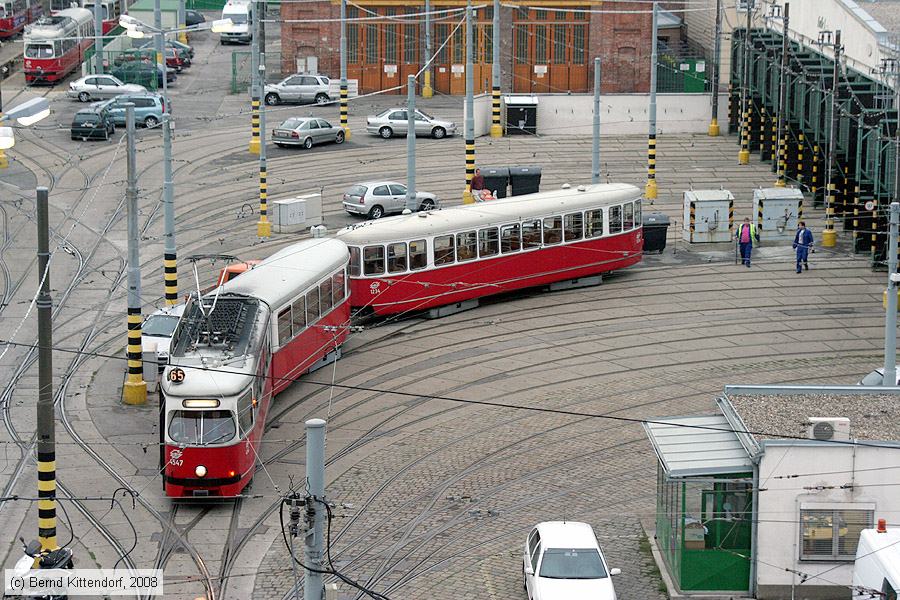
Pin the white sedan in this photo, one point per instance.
(101, 87)
(564, 561)
(157, 330)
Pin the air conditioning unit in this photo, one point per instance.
(828, 428)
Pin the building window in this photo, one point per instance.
(540, 44)
(441, 31)
(521, 44)
(832, 534)
(410, 45)
(459, 45)
(578, 44)
(559, 44)
(352, 36)
(371, 44)
(487, 50)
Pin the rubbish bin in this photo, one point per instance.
(496, 179)
(525, 180)
(521, 115)
(656, 226)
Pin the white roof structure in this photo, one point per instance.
(697, 446)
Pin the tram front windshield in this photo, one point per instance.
(39, 51)
(201, 427)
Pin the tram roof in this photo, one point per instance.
(481, 214)
(279, 278)
(216, 380)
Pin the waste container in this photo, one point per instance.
(525, 180)
(656, 226)
(521, 115)
(496, 179)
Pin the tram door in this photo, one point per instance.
(550, 51)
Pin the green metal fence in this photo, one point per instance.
(681, 74)
(240, 69)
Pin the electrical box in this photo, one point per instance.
(776, 212)
(828, 428)
(298, 212)
(708, 216)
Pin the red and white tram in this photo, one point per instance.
(109, 13)
(15, 14)
(55, 46)
(233, 350)
(430, 259)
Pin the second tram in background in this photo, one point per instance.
(55, 45)
(109, 13)
(16, 14)
(234, 349)
(457, 255)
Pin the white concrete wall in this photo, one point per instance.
(781, 500)
(482, 105)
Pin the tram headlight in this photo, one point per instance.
(200, 471)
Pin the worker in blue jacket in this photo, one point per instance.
(745, 236)
(803, 242)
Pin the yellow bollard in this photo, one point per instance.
(713, 130)
(829, 238)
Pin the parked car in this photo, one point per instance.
(92, 123)
(563, 560)
(306, 131)
(143, 73)
(96, 87)
(378, 198)
(298, 88)
(183, 52)
(876, 377)
(148, 108)
(393, 121)
(147, 54)
(193, 17)
(157, 330)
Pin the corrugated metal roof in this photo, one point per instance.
(697, 446)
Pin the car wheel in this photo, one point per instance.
(376, 213)
(322, 99)
(151, 122)
(84, 97)
(339, 138)
(307, 143)
(385, 132)
(438, 132)
(272, 99)
(427, 205)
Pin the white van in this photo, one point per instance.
(241, 14)
(877, 567)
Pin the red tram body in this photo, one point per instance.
(109, 13)
(16, 14)
(234, 349)
(55, 46)
(431, 259)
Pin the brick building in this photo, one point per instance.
(542, 50)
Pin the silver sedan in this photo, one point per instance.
(100, 87)
(306, 131)
(393, 121)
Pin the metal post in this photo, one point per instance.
(896, 68)
(411, 143)
(829, 235)
(170, 265)
(182, 22)
(714, 84)
(315, 480)
(744, 154)
(470, 109)
(496, 127)
(890, 321)
(427, 90)
(595, 150)
(650, 191)
(46, 432)
(263, 227)
(344, 125)
(135, 390)
(256, 89)
(98, 38)
(159, 38)
(780, 138)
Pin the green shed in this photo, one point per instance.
(143, 11)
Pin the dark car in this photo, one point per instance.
(148, 75)
(193, 17)
(183, 51)
(174, 57)
(92, 123)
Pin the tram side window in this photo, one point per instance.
(637, 214)
(354, 262)
(629, 216)
(299, 310)
(593, 226)
(418, 255)
(531, 235)
(337, 287)
(325, 295)
(284, 326)
(312, 306)
(572, 226)
(488, 242)
(510, 240)
(466, 246)
(245, 413)
(373, 260)
(396, 257)
(615, 219)
(444, 250)
(552, 230)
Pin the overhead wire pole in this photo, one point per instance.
(314, 550)
(496, 127)
(781, 137)
(170, 264)
(470, 109)
(256, 90)
(411, 142)
(46, 427)
(98, 38)
(344, 124)
(263, 227)
(182, 22)
(135, 390)
(427, 90)
(714, 84)
(890, 322)
(651, 191)
(744, 153)
(829, 235)
(595, 148)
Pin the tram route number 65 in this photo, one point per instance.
(176, 375)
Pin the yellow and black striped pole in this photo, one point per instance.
(135, 390)
(496, 128)
(135, 387)
(344, 125)
(651, 190)
(470, 109)
(254, 124)
(744, 153)
(782, 162)
(344, 110)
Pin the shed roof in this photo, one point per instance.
(697, 446)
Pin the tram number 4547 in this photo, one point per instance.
(176, 375)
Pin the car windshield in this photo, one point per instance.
(38, 51)
(565, 563)
(201, 426)
(291, 124)
(236, 18)
(160, 325)
(325, 80)
(357, 190)
(384, 113)
(84, 119)
(425, 114)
